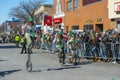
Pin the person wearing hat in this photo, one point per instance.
(28, 30)
(72, 46)
(58, 40)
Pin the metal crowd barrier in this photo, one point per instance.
(105, 50)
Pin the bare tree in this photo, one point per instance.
(26, 9)
(2, 27)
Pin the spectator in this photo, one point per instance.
(23, 43)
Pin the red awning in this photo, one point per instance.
(57, 20)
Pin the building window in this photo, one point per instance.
(76, 3)
(85, 2)
(89, 27)
(76, 27)
(69, 5)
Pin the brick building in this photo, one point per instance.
(46, 9)
(84, 15)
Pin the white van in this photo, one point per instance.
(77, 31)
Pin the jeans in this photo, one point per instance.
(54, 49)
(95, 50)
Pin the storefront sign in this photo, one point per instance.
(59, 12)
(57, 20)
(117, 6)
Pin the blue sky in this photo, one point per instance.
(6, 5)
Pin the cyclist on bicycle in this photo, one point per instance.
(59, 45)
(28, 30)
(72, 46)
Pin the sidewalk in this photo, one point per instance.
(8, 45)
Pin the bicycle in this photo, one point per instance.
(29, 63)
(75, 58)
(62, 58)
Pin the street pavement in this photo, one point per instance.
(46, 67)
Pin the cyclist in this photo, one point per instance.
(72, 46)
(28, 30)
(59, 45)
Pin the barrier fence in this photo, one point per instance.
(107, 50)
(104, 50)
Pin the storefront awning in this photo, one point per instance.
(57, 20)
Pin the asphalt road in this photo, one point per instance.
(46, 67)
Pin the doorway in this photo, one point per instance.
(99, 28)
(118, 25)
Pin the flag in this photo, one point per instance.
(47, 20)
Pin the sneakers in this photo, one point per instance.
(114, 62)
(99, 60)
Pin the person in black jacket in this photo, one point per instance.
(23, 43)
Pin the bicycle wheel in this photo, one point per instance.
(62, 60)
(29, 66)
(75, 57)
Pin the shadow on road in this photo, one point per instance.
(85, 62)
(65, 67)
(60, 68)
(3, 60)
(3, 73)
